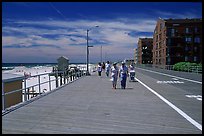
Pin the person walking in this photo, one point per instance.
(103, 66)
(132, 72)
(123, 73)
(99, 69)
(114, 75)
(108, 67)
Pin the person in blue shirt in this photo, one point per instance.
(123, 73)
(108, 67)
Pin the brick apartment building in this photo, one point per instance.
(176, 40)
(144, 51)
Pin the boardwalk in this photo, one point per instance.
(90, 105)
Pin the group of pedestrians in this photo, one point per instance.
(121, 72)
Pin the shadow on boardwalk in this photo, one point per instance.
(90, 105)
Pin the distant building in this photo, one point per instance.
(144, 51)
(11, 82)
(176, 40)
(128, 61)
(135, 56)
(63, 63)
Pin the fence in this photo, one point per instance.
(193, 69)
(29, 92)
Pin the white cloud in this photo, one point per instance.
(68, 34)
(166, 14)
(112, 31)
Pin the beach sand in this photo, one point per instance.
(34, 80)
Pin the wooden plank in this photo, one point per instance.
(90, 105)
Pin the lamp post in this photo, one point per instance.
(87, 50)
(101, 53)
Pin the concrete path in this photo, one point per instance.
(90, 105)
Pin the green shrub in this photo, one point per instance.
(184, 66)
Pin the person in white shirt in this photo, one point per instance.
(99, 69)
(114, 75)
(132, 72)
(123, 73)
(108, 67)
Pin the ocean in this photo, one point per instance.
(10, 66)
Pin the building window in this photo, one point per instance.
(172, 32)
(195, 48)
(168, 60)
(162, 25)
(188, 39)
(169, 41)
(178, 54)
(194, 58)
(196, 29)
(168, 32)
(187, 30)
(186, 48)
(175, 24)
(186, 58)
(197, 39)
(167, 50)
(144, 47)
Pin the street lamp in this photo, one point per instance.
(87, 50)
(101, 53)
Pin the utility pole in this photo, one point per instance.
(87, 50)
(101, 53)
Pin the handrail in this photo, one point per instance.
(193, 69)
(70, 75)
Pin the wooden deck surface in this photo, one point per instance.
(90, 105)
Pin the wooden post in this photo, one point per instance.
(56, 79)
(60, 79)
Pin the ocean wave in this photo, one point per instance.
(7, 68)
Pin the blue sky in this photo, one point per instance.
(44, 31)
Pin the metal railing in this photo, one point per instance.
(193, 69)
(29, 92)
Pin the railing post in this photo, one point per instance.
(56, 78)
(33, 91)
(196, 69)
(67, 76)
(25, 92)
(64, 77)
(60, 78)
(49, 82)
(39, 84)
(74, 75)
(28, 90)
(3, 97)
(71, 76)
